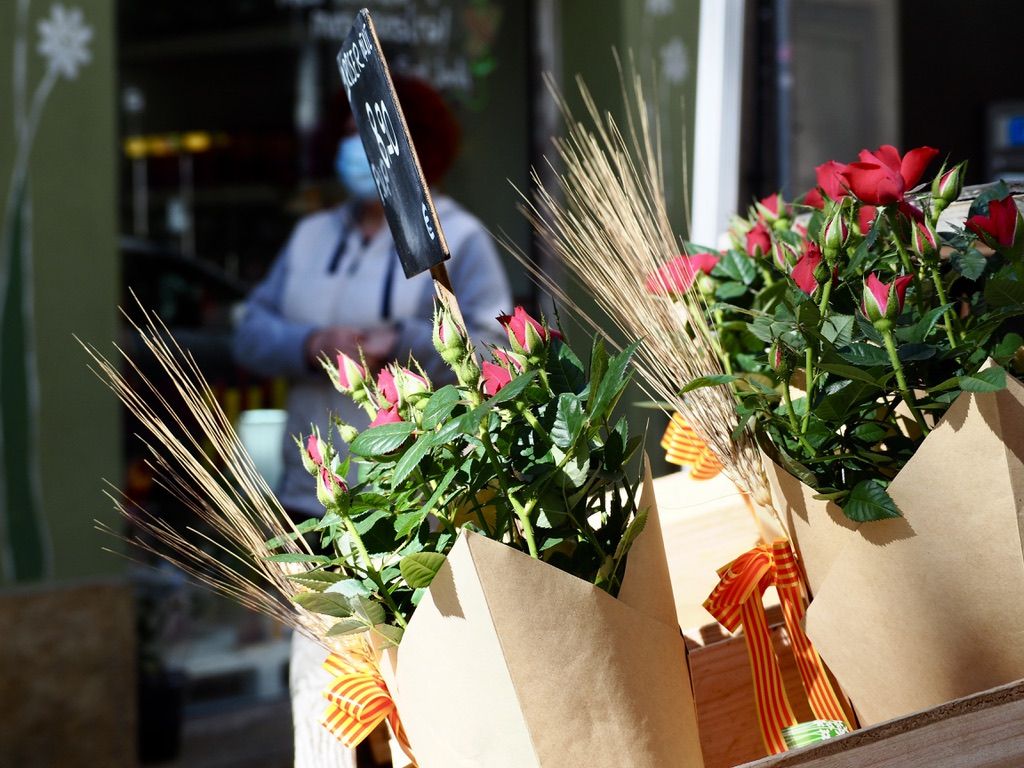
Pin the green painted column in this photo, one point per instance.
(59, 427)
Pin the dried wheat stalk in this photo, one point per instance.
(223, 490)
(611, 232)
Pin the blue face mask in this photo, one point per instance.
(354, 169)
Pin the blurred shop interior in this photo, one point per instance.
(222, 114)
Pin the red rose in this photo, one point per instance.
(494, 377)
(866, 216)
(882, 177)
(1000, 226)
(676, 277)
(803, 272)
(831, 180)
(814, 199)
(759, 240)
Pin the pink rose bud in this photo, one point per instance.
(329, 487)
(835, 233)
(883, 301)
(924, 241)
(510, 359)
(411, 386)
(493, 378)
(349, 377)
(946, 187)
(675, 278)
(388, 387)
(386, 416)
(525, 334)
(312, 453)
(450, 338)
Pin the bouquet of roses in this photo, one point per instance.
(507, 500)
(848, 324)
(522, 449)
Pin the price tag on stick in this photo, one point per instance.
(396, 168)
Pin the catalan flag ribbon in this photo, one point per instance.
(685, 448)
(359, 701)
(737, 602)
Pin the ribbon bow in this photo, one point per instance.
(359, 701)
(684, 448)
(736, 602)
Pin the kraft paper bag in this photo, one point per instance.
(511, 663)
(912, 612)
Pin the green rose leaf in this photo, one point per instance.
(708, 381)
(869, 500)
(325, 603)
(368, 610)
(378, 441)
(318, 581)
(440, 406)
(970, 263)
(569, 420)
(411, 459)
(347, 626)
(1003, 292)
(730, 290)
(420, 569)
(989, 380)
(297, 557)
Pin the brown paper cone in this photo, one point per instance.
(913, 612)
(511, 663)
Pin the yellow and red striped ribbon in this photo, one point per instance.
(736, 602)
(359, 701)
(684, 448)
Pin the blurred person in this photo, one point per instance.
(338, 286)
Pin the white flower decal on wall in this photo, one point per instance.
(64, 40)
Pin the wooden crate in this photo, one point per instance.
(985, 730)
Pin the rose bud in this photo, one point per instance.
(346, 431)
(493, 378)
(411, 386)
(386, 416)
(388, 387)
(883, 302)
(946, 187)
(999, 229)
(785, 255)
(781, 359)
(806, 272)
(330, 488)
(835, 233)
(526, 334)
(312, 453)
(924, 241)
(770, 209)
(759, 240)
(348, 377)
(449, 337)
(675, 278)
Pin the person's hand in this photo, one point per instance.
(332, 340)
(379, 346)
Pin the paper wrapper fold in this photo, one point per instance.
(912, 612)
(511, 663)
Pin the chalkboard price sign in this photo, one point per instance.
(396, 168)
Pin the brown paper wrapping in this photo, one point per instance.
(511, 663)
(913, 612)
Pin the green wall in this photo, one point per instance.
(662, 37)
(59, 277)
